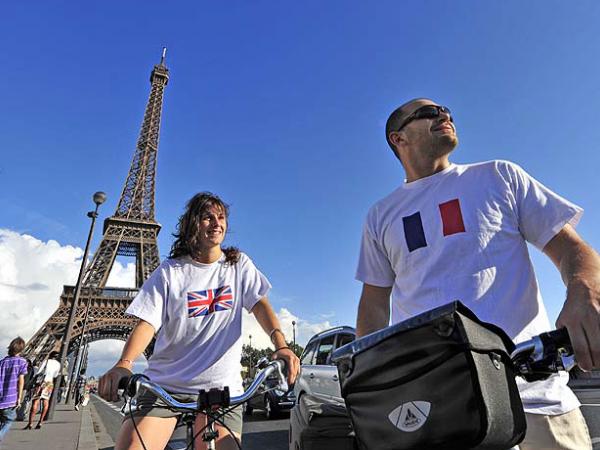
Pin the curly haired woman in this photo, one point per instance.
(198, 342)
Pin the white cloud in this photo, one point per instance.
(122, 276)
(103, 355)
(31, 279)
(304, 329)
(32, 275)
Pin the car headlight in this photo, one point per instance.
(279, 392)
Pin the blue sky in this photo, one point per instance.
(279, 107)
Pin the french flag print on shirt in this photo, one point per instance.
(452, 223)
(452, 219)
(203, 303)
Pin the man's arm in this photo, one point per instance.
(373, 309)
(267, 319)
(579, 266)
(20, 385)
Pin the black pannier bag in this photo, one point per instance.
(315, 425)
(440, 380)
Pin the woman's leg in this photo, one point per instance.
(155, 433)
(32, 412)
(45, 404)
(225, 441)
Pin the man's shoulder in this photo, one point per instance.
(389, 199)
(504, 171)
(490, 165)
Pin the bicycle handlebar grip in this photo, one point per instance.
(282, 364)
(124, 382)
(129, 384)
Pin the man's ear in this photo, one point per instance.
(397, 138)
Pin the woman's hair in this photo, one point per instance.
(187, 239)
(16, 346)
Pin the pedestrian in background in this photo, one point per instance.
(12, 379)
(49, 370)
(81, 390)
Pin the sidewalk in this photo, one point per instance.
(68, 430)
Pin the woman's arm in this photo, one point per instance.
(137, 342)
(267, 319)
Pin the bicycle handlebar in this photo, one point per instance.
(543, 355)
(214, 397)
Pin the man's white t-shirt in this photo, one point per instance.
(461, 234)
(196, 310)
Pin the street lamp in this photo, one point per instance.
(294, 334)
(250, 371)
(79, 357)
(99, 198)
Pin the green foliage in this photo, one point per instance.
(250, 355)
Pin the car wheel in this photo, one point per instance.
(271, 410)
(247, 409)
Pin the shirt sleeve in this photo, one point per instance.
(541, 212)
(254, 284)
(374, 266)
(148, 303)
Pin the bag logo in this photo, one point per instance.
(410, 416)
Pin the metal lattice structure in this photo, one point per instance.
(132, 231)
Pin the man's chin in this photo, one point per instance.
(446, 144)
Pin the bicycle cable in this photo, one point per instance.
(217, 418)
(135, 426)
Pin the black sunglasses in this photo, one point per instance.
(426, 112)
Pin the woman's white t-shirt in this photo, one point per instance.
(196, 310)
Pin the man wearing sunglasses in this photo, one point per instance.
(455, 231)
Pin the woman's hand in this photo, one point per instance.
(108, 384)
(292, 363)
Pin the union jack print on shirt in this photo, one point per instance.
(203, 303)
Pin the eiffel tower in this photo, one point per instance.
(132, 231)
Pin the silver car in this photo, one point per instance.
(318, 376)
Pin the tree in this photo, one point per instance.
(297, 349)
(251, 355)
